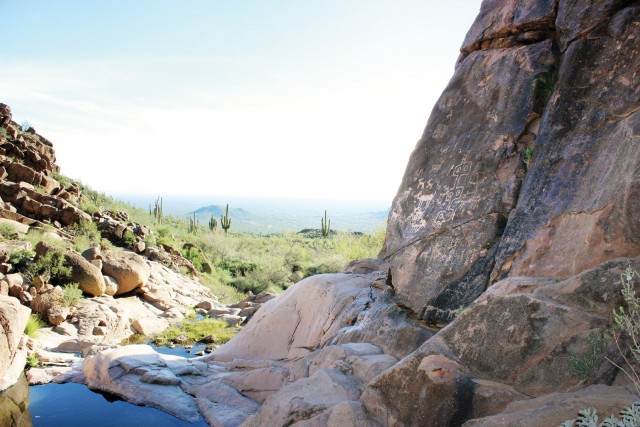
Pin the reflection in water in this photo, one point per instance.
(14, 405)
(75, 405)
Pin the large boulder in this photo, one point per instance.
(305, 317)
(84, 273)
(13, 319)
(554, 409)
(46, 300)
(128, 269)
(518, 337)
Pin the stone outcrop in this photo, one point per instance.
(13, 352)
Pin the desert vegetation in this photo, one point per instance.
(230, 264)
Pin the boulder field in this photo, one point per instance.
(518, 213)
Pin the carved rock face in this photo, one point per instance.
(462, 180)
(529, 164)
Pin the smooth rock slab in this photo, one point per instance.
(115, 370)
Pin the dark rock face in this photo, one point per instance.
(580, 199)
(472, 207)
(463, 180)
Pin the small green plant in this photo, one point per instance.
(16, 256)
(33, 361)
(213, 224)
(72, 294)
(3, 132)
(326, 225)
(588, 417)
(225, 220)
(583, 365)
(33, 324)
(128, 238)
(527, 155)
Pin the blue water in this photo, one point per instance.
(75, 405)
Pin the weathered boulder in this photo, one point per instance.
(128, 269)
(13, 354)
(47, 300)
(9, 246)
(515, 340)
(554, 409)
(305, 398)
(18, 226)
(305, 317)
(84, 273)
(111, 286)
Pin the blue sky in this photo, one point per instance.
(272, 98)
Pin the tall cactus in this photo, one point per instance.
(156, 212)
(193, 224)
(326, 225)
(225, 220)
(213, 224)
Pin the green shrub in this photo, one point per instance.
(196, 331)
(195, 256)
(128, 238)
(72, 293)
(246, 284)
(16, 256)
(33, 324)
(3, 132)
(63, 180)
(583, 365)
(52, 263)
(85, 234)
(629, 417)
(8, 232)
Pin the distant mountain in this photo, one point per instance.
(283, 217)
(218, 210)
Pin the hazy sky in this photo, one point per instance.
(273, 98)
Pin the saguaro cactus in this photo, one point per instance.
(193, 224)
(225, 220)
(326, 225)
(156, 211)
(213, 224)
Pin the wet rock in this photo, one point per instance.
(116, 371)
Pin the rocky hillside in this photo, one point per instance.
(491, 302)
(42, 219)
